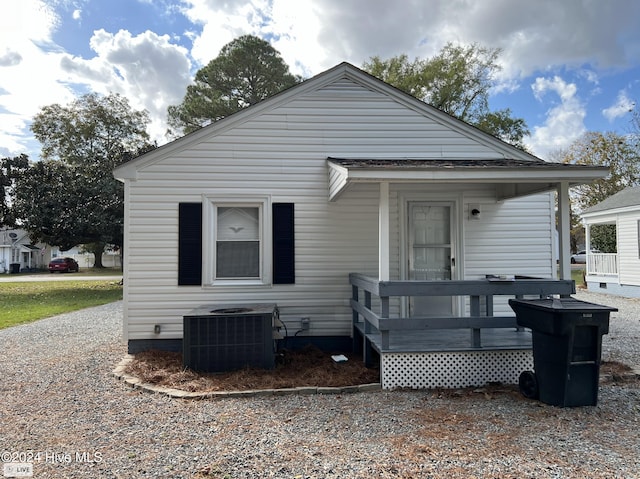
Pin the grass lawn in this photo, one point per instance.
(81, 273)
(30, 301)
(576, 275)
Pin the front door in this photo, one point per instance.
(431, 254)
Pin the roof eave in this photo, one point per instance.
(510, 182)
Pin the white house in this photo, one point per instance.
(16, 248)
(281, 202)
(616, 273)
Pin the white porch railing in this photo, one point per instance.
(602, 264)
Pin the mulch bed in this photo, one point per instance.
(307, 367)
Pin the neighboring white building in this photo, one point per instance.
(16, 249)
(342, 173)
(616, 273)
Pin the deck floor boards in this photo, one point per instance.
(419, 341)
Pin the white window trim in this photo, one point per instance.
(210, 204)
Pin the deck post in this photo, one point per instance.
(354, 320)
(354, 296)
(475, 311)
(384, 313)
(367, 304)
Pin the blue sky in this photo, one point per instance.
(569, 66)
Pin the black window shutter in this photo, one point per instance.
(284, 270)
(190, 244)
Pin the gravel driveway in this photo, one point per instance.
(61, 409)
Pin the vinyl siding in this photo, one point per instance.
(628, 254)
(281, 153)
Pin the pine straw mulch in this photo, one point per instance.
(307, 367)
(615, 370)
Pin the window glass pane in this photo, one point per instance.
(238, 224)
(237, 259)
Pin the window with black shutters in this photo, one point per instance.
(224, 243)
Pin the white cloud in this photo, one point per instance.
(621, 107)
(564, 121)
(222, 22)
(26, 20)
(313, 35)
(10, 58)
(27, 81)
(148, 69)
(582, 36)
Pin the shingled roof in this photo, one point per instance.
(413, 163)
(623, 199)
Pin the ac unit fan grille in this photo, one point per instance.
(216, 343)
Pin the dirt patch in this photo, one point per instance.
(307, 367)
(616, 372)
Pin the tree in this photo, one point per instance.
(246, 71)
(457, 81)
(92, 129)
(47, 203)
(10, 169)
(71, 197)
(603, 238)
(602, 149)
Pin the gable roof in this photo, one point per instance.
(627, 198)
(342, 71)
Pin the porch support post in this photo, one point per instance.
(587, 245)
(564, 230)
(383, 232)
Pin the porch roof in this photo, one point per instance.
(511, 177)
(623, 201)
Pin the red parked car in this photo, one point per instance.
(64, 265)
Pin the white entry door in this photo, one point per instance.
(431, 254)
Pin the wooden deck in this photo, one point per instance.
(445, 340)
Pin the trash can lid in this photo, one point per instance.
(553, 304)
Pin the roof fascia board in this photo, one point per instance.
(526, 175)
(612, 211)
(340, 183)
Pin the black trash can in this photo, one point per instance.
(14, 268)
(567, 346)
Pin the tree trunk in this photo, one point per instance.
(97, 249)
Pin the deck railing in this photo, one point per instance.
(481, 312)
(602, 264)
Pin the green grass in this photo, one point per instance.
(30, 301)
(576, 275)
(81, 273)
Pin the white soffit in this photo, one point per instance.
(512, 177)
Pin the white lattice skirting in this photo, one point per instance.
(453, 369)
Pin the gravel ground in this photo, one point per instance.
(61, 409)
